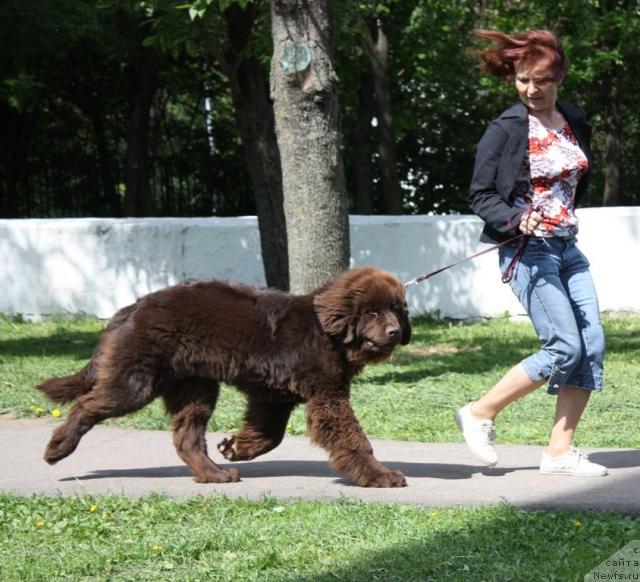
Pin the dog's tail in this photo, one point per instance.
(68, 388)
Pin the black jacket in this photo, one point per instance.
(499, 157)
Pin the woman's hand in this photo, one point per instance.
(529, 222)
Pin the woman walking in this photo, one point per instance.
(532, 168)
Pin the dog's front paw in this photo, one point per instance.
(217, 476)
(386, 478)
(225, 446)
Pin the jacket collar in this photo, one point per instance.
(572, 113)
(519, 111)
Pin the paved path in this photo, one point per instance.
(136, 463)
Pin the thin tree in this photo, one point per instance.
(362, 147)
(142, 86)
(375, 42)
(254, 115)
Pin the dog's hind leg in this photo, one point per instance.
(107, 399)
(191, 403)
(264, 428)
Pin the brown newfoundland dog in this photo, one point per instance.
(279, 349)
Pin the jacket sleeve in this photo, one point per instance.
(484, 198)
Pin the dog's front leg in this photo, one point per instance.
(264, 428)
(333, 425)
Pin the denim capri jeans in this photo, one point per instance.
(553, 283)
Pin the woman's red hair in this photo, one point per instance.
(536, 47)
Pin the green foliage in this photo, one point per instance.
(441, 105)
(599, 37)
(199, 8)
(66, 88)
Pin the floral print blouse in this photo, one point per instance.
(549, 176)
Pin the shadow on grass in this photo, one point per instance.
(472, 358)
(78, 344)
(422, 358)
(486, 352)
(506, 544)
(557, 538)
(621, 342)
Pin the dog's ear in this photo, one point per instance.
(334, 310)
(406, 326)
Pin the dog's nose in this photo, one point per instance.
(393, 330)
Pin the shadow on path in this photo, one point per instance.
(265, 469)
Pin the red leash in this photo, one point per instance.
(506, 276)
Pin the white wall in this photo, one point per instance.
(99, 265)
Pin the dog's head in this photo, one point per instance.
(367, 310)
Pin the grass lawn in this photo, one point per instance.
(213, 538)
(411, 397)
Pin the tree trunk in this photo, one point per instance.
(613, 139)
(307, 117)
(362, 156)
(15, 160)
(138, 200)
(110, 197)
(376, 48)
(254, 115)
(608, 85)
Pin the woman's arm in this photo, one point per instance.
(484, 198)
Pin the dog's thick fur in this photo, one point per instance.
(279, 349)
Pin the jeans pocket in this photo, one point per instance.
(580, 256)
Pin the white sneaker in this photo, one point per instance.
(574, 463)
(478, 434)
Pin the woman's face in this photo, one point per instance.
(536, 86)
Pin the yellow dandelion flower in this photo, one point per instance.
(39, 410)
(39, 523)
(55, 413)
(578, 524)
(157, 547)
(93, 507)
(433, 513)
